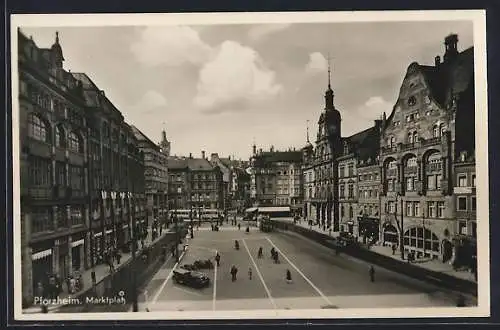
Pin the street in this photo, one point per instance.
(320, 279)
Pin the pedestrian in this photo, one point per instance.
(118, 257)
(393, 249)
(372, 274)
(250, 273)
(259, 254)
(239, 226)
(272, 252)
(72, 284)
(288, 276)
(41, 293)
(234, 271)
(217, 259)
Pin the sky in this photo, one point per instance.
(220, 88)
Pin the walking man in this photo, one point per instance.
(259, 254)
(372, 274)
(217, 259)
(234, 271)
(239, 226)
(250, 273)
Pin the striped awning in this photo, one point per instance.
(275, 209)
(109, 231)
(41, 254)
(250, 210)
(77, 243)
(98, 234)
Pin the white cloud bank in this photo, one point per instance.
(317, 63)
(235, 75)
(171, 46)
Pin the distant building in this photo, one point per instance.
(225, 167)
(178, 183)
(206, 189)
(156, 176)
(276, 178)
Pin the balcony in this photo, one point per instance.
(431, 141)
(388, 149)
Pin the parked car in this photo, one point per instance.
(191, 278)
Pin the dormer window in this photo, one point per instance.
(412, 101)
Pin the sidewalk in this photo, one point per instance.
(433, 265)
(101, 271)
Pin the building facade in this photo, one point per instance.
(368, 215)
(206, 185)
(178, 183)
(156, 176)
(465, 205)
(432, 121)
(274, 178)
(76, 156)
(224, 165)
(320, 167)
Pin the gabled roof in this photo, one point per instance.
(279, 156)
(177, 163)
(143, 137)
(364, 144)
(199, 164)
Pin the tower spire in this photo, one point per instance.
(329, 73)
(57, 37)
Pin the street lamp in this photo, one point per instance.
(104, 196)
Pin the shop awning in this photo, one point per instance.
(274, 209)
(41, 254)
(77, 243)
(251, 209)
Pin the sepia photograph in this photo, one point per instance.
(250, 165)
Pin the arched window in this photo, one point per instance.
(442, 129)
(37, 128)
(74, 142)
(410, 137)
(433, 171)
(415, 137)
(435, 131)
(59, 137)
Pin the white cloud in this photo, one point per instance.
(236, 75)
(374, 107)
(170, 45)
(317, 62)
(150, 102)
(258, 32)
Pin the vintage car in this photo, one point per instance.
(191, 278)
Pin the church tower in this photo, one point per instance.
(57, 57)
(164, 144)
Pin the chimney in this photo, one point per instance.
(164, 135)
(254, 149)
(190, 155)
(203, 154)
(271, 149)
(229, 157)
(260, 151)
(437, 61)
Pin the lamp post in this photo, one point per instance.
(113, 203)
(135, 307)
(176, 219)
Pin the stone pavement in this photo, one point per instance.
(434, 265)
(101, 271)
